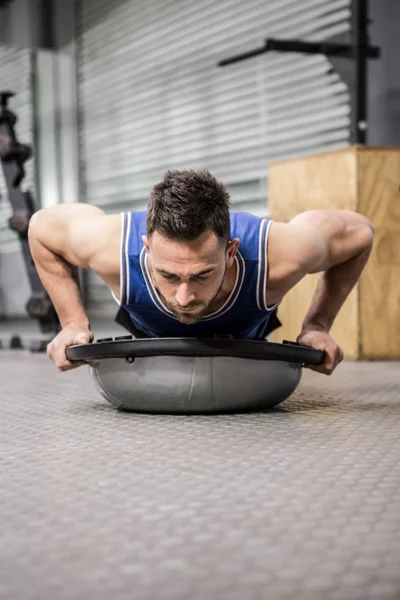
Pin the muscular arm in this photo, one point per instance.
(67, 230)
(61, 239)
(335, 243)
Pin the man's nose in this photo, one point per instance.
(184, 295)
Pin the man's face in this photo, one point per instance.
(189, 275)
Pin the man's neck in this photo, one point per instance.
(226, 289)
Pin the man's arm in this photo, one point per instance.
(337, 244)
(61, 239)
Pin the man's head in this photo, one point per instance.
(188, 241)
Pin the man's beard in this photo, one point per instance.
(188, 318)
(191, 318)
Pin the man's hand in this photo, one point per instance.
(68, 336)
(320, 340)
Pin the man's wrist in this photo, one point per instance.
(314, 326)
(77, 324)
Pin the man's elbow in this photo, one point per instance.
(369, 230)
(360, 229)
(368, 224)
(35, 217)
(365, 238)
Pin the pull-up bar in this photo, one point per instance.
(359, 51)
(300, 46)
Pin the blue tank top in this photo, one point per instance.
(245, 313)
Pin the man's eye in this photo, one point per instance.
(195, 278)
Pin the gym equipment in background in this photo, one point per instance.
(358, 51)
(13, 155)
(194, 375)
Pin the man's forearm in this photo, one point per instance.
(61, 281)
(334, 286)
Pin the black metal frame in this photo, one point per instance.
(13, 155)
(358, 50)
(361, 46)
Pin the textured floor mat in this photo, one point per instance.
(302, 502)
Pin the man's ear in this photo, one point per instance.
(146, 243)
(231, 251)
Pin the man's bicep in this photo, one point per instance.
(295, 250)
(292, 253)
(311, 250)
(329, 237)
(68, 231)
(313, 242)
(84, 240)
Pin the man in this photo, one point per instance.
(189, 267)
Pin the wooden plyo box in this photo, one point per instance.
(365, 179)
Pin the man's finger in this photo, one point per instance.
(69, 366)
(319, 369)
(328, 366)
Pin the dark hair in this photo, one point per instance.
(188, 203)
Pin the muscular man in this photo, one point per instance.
(189, 267)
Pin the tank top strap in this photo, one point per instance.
(133, 228)
(253, 234)
(261, 287)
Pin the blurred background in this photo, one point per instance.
(112, 94)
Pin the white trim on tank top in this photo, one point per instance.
(122, 259)
(263, 262)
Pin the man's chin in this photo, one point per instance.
(186, 320)
(189, 318)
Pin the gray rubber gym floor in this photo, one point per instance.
(302, 502)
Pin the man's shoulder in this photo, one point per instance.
(245, 216)
(245, 222)
(135, 223)
(288, 244)
(137, 215)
